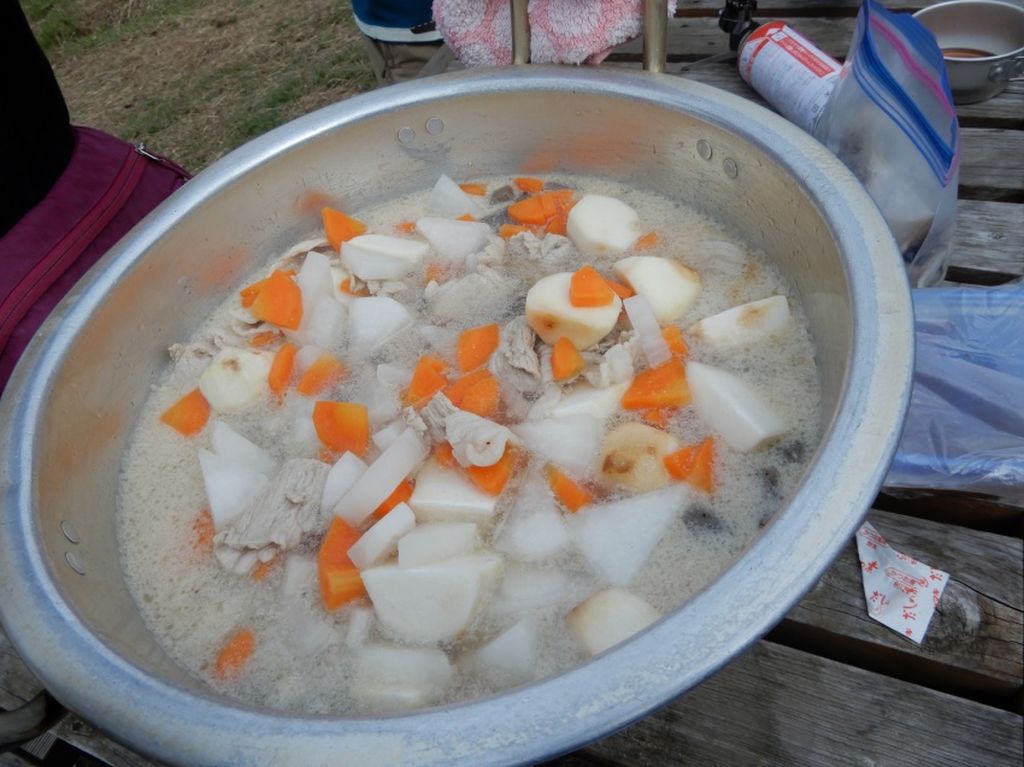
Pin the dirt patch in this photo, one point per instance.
(194, 80)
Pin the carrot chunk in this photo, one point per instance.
(189, 414)
(508, 231)
(250, 292)
(466, 217)
(321, 375)
(339, 578)
(663, 386)
(676, 343)
(203, 532)
(406, 227)
(492, 479)
(234, 654)
(436, 272)
(265, 338)
(263, 569)
(694, 464)
(647, 242)
(477, 190)
(427, 380)
(345, 286)
(478, 392)
(342, 426)
(400, 494)
(281, 369)
(529, 185)
(340, 227)
(658, 416)
(588, 288)
(540, 208)
(566, 361)
(279, 301)
(622, 291)
(569, 493)
(476, 345)
(444, 456)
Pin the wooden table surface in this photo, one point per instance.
(828, 686)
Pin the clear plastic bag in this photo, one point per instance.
(891, 120)
(965, 426)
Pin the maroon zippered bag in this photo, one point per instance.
(107, 187)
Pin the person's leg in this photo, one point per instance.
(398, 62)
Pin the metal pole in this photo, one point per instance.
(520, 32)
(655, 34)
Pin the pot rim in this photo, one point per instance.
(558, 713)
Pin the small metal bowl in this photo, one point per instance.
(982, 43)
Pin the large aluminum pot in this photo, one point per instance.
(72, 403)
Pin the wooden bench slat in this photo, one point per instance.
(776, 705)
(990, 236)
(975, 639)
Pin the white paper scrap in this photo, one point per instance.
(901, 592)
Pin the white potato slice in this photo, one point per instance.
(584, 399)
(373, 320)
(570, 442)
(447, 495)
(511, 657)
(609, 617)
(669, 287)
(231, 486)
(400, 677)
(552, 316)
(633, 456)
(235, 379)
(745, 325)
(447, 199)
(228, 443)
(733, 408)
(599, 225)
(617, 538)
(436, 542)
(454, 240)
(381, 478)
(381, 256)
(380, 541)
(432, 603)
(340, 479)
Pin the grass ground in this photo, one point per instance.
(194, 79)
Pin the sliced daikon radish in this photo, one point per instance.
(359, 621)
(584, 399)
(436, 542)
(648, 331)
(373, 320)
(299, 576)
(533, 529)
(381, 540)
(235, 379)
(381, 256)
(570, 442)
(552, 316)
(447, 199)
(633, 456)
(447, 495)
(440, 338)
(722, 256)
(309, 634)
(609, 617)
(532, 590)
(733, 408)
(306, 356)
(339, 274)
(228, 443)
(381, 478)
(315, 280)
(746, 324)
(431, 603)
(383, 405)
(303, 432)
(231, 486)
(600, 225)
(617, 538)
(669, 287)
(384, 437)
(400, 677)
(324, 324)
(393, 375)
(454, 240)
(511, 657)
(340, 479)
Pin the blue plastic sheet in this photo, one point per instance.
(965, 426)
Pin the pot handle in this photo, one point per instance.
(29, 720)
(1008, 70)
(655, 30)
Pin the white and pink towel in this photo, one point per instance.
(561, 31)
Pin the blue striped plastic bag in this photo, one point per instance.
(891, 120)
